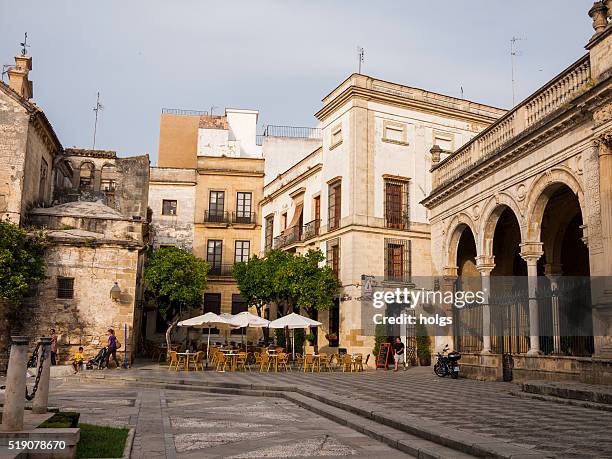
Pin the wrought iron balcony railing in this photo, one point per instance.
(221, 269)
(244, 217)
(216, 217)
(311, 229)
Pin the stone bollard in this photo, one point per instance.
(14, 395)
(41, 399)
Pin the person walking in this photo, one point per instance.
(112, 346)
(398, 347)
(53, 347)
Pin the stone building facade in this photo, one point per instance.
(355, 195)
(204, 197)
(92, 207)
(531, 197)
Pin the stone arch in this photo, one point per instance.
(489, 217)
(454, 231)
(108, 177)
(540, 192)
(86, 175)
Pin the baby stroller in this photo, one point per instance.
(99, 360)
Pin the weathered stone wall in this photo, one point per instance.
(13, 137)
(84, 319)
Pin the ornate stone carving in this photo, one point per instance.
(599, 14)
(602, 115)
(521, 192)
(476, 212)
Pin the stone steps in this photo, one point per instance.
(413, 435)
(564, 401)
(601, 395)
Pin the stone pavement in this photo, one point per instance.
(465, 406)
(181, 424)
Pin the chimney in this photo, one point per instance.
(18, 76)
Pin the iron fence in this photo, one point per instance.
(216, 217)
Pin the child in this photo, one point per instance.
(77, 360)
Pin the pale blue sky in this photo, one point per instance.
(278, 56)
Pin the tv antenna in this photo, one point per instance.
(24, 45)
(514, 52)
(360, 57)
(96, 109)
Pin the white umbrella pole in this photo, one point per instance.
(293, 342)
(208, 347)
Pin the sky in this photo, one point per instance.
(280, 57)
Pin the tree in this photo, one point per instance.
(294, 281)
(21, 261)
(178, 280)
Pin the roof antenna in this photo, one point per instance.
(360, 57)
(513, 53)
(96, 109)
(24, 45)
(462, 92)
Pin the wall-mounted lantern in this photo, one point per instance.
(115, 292)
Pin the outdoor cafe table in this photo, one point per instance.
(274, 358)
(186, 356)
(232, 356)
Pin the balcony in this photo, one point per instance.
(244, 218)
(221, 270)
(311, 229)
(525, 117)
(216, 217)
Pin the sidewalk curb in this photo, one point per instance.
(129, 442)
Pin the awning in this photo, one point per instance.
(296, 215)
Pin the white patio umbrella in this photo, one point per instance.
(293, 321)
(246, 319)
(208, 320)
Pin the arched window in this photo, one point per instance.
(108, 181)
(86, 176)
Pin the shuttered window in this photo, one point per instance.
(398, 260)
(396, 204)
(334, 205)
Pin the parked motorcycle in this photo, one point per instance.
(447, 364)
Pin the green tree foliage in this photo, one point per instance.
(176, 278)
(293, 281)
(423, 343)
(21, 261)
(381, 337)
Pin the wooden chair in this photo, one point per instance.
(264, 362)
(334, 362)
(198, 360)
(347, 363)
(358, 363)
(221, 362)
(175, 361)
(299, 360)
(283, 361)
(309, 362)
(323, 361)
(242, 361)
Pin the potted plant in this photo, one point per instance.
(310, 337)
(332, 338)
(423, 346)
(309, 343)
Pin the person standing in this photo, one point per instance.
(53, 347)
(112, 346)
(398, 347)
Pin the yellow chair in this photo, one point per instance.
(241, 361)
(358, 363)
(283, 361)
(347, 363)
(198, 360)
(299, 360)
(175, 361)
(309, 362)
(221, 362)
(264, 362)
(323, 361)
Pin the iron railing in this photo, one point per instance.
(311, 229)
(178, 111)
(221, 269)
(292, 131)
(244, 217)
(216, 217)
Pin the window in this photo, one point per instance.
(283, 221)
(108, 178)
(216, 206)
(336, 136)
(212, 303)
(213, 255)
(398, 260)
(242, 251)
(169, 207)
(334, 321)
(333, 255)
(86, 176)
(396, 204)
(444, 141)
(317, 214)
(65, 288)
(334, 206)
(42, 186)
(243, 207)
(269, 233)
(239, 304)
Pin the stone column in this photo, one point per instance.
(449, 280)
(41, 399)
(14, 395)
(553, 272)
(531, 253)
(485, 265)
